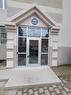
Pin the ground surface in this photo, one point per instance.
(63, 72)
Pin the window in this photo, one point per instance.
(3, 4)
(2, 35)
(32, 31)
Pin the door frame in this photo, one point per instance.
(29, 38)
(39, 51)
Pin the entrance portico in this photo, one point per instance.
(29, 34)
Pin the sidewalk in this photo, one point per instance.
(61, 89)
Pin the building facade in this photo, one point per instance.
(44, 15)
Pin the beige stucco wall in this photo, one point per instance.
(65, 35)
(12, 11)
(51, 3)
(28, 21)
(3, 16)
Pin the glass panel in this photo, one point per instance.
(5, 3)
(2, 29)
(3, 41)
(34, 32)
(21, 59)
(44, 59)
(21, 44)
(44, 47)
(3, 35)
(45, 32)
(22, 31)
(33, 52)
(1, 3)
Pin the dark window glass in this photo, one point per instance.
(33, 52)
(3, 36)
(44, 59)
(22, 31)
(1, 3)
(3, 41)
(2, 29)
(21, 59)
(21, 44)
(44, 45)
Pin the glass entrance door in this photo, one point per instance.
(33, 51)
(32, 47)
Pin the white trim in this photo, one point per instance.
(3, 4)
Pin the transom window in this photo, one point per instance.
(32, 31)
(3, 4)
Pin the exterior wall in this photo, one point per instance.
(54, 3)
(3, 16)
(12, 11)
(64, 55)
(19, 5)
(57, 17)
(64, 37)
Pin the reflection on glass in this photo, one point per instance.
(45, 32)
(33, 52)
(21, 59)
(1, 3)
(34, 32)
(21, 44)
(22, 31)
(44, 47)
(44, 59)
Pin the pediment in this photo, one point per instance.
(24, 14)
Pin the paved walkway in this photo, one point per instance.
(61, 89)
(31, 77)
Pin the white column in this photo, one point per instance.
(11, 30)
(55, 46)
